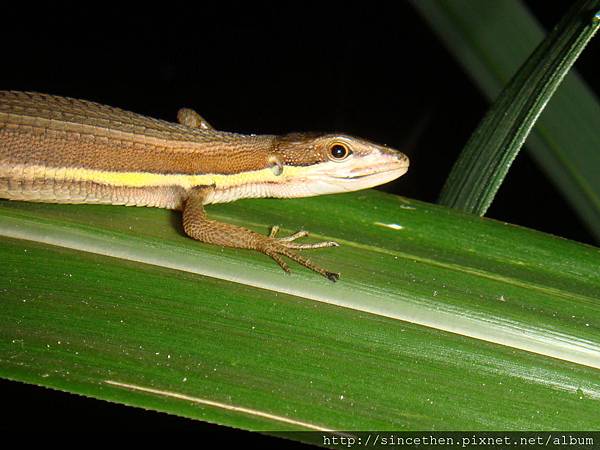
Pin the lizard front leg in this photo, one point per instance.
(199, 227)
(192, 119)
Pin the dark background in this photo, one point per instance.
(368, 70)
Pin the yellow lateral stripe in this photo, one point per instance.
(143, 179)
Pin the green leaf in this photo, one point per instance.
(491, 42)
(438, 314)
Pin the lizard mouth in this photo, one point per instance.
(397, 171)
(389, 169)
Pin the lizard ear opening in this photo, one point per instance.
(276, 165)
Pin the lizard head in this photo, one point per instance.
(316, 164)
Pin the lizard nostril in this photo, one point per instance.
(404, 159)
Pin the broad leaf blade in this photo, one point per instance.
(240, 356)
(390, 248)
(261, 353)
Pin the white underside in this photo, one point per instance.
(310, 186)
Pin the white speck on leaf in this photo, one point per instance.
(393, 226)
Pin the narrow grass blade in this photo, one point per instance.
(491, 41)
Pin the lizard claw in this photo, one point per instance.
(333, 276)
(288, 240)
(276, 247)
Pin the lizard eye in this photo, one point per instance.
(339, 151)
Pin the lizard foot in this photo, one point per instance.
(284, 246)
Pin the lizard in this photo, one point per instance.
(62, 150)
